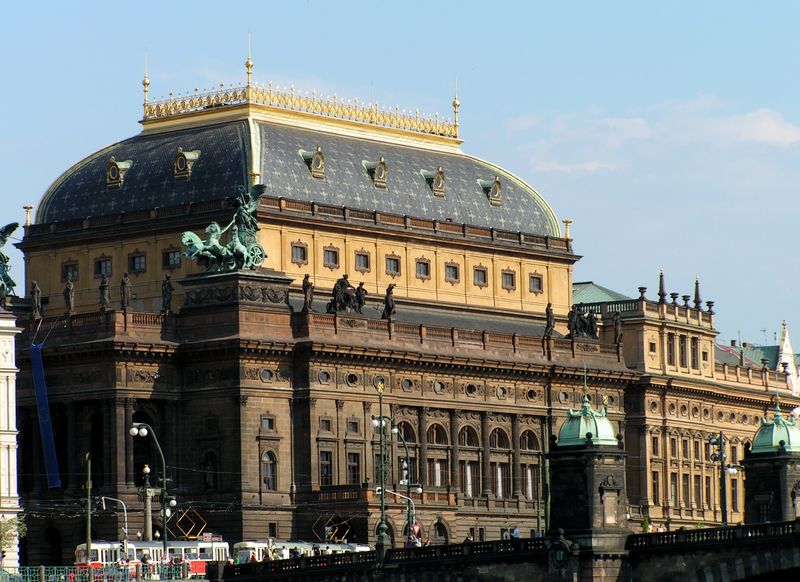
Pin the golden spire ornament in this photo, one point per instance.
(456, 105)
(146, 82)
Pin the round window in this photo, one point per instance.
(695, 411)
(407, 384)
(720, 416)
(352, 379)
(531, 394)
(609, 401)
(501, 392)
(684, 410)
(745, 418)
(562, 397)
(654, 406)
(706, 413)
(672, 409)
(438, 387)
(471, 389)
(266, 375)
(324, 377)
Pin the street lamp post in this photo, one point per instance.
(148, 499)
(125, 512)
(141, 429)
(382, 541)
(381, 421)
(724, 470)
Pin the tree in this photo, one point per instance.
(11, 530)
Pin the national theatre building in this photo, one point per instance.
(247, 273)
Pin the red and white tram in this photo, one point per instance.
(193, 555)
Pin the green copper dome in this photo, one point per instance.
(578, 423)
(772, 432)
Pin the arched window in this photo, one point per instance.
(269, 471)
(528, 441)
(408, 434)
(499, 439)
(467, 437)
(437, 435)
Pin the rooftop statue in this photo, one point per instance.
(6, 282)
(242, 250)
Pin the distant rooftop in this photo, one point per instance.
(590, 292)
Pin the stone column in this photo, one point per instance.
(119, 442)
(341, 454)
(130, 404)
(422, 470)
(9, 498)
(517, 477)
(486, 469)
(73, 448)
(644, 459)
(455, 468)
(369, 454)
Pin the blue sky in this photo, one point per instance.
(669, 133)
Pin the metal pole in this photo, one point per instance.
(165, 535)
(408, 482)
(89, 509)
(722, 483)
(148, 507)
(380, 544)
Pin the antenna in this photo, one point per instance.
(764, 331)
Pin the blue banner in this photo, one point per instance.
(45, 426)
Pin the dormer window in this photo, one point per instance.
(115, 172)
(182, 166)
(435, 180)
(492, 189)
(315, 161)
(377, 171)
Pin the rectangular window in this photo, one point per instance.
(102, 267)
(509, 280)
(698, 492)
(392, 265)
(671, 349)
(451, 273)
(470, 478)
(353, 468)
(480, 277)
(687, 498)
(707, 452)
(325, 468)
(325, 424)
(656, 489)
(481, 534)
(735, 494)
(299, 254)
(696, 450)
(272, 528)
(531, 474)
(423, 270)
(695, 353)
(437, 472)
(69, 271)
(673, 489)
(362, 262)
(409, 472)
(682, 350)
(673, 447)
(654, 445)
(734, 454)
(652, 347)
(137, 263)
(171, 259)
(352, 426)
(535, 284)
(502, 485)
(330, 258)
(708, 492)
(685, 445)
(267, 423)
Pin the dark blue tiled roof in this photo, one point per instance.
(347, 183)
(149, 183)
(223, 165)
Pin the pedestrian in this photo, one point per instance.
(505, 535)
(515, 533)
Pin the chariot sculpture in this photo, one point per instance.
(242, 250)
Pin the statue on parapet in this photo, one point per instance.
(105, 297)
(242, 250)
(388, 303)
(36, 301)
(6, 282)
(581, 323)
(550, 321)
(308, 293)
(69, 296)
(361, 297)
(343, 296)
(166, 295)
(616, 322)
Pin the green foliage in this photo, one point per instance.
(645, 524)
(12, 528)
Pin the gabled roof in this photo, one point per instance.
(590, 292)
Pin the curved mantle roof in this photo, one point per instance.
(233, 150)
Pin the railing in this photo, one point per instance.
(296, 101)
(713, 536)
(102, 574)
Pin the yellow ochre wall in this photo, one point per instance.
(45, 267)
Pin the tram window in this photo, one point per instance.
(190, 553)
(205, 553)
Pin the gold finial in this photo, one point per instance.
(249, 63)
(146, 80)
(456, 105)
(566, 222)
(28, 209)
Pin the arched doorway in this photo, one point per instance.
(439, 535)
